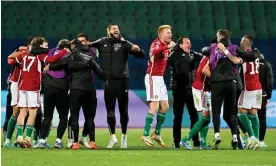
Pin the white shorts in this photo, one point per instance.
(202, 100)
(250, 99)
(29, 99)
(14, 93)
(156, 88)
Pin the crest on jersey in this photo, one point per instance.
(117, 46)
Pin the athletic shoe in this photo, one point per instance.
(7, 145)
(217, 141)
(241, 143)
(75, 146)
(42, 145)
(113, 141)
(204, 145)
(186, 144)
(28, 143)
(257, 145)
(48, 145)
(58, 145)
(15, 144)
(124, 141)
(93, 145)
(263, 145)
(70, 143)
(147, 140)
(158, 139)
(84, 142)
(251, 142)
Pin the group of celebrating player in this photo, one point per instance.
(220, 58)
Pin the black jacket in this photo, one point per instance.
(114, 56)
(183, 67)
(80, 72)
(266, 77)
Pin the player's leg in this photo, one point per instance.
(110, 103)
(153, 98)
(202, 124)
(75, 105)
(85, 132)
(37, 127)
(89, 112)
(15, 112)
(262, 119)
(245, 104)
(216, 103)
(49, 105)
(9, 111)
(193, 116)
(206, 114)
(253, 113)
(62, 106)
(70, 133)
(123, 109)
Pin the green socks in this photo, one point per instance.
(204, 132)
(149, 119)
(11, 126)
(29, 131)
(19, 131)
(160, 121)
(246, 123)
(200, 125)
(255, 124)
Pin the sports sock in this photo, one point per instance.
(196, 128)
(149, 119)
(35, 136)
(204, 130)
(5, 135)
(246, 123)
(160, 121)
(49, 131)
(11, 126)
(255, 124)
(29, 130)
(19, 131)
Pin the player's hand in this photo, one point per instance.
(46, 68)
(221, 46)
(135, 48)
(67, 49)
(172, 44)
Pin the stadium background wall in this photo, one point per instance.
(138, 109)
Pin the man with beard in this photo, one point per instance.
(113, 51)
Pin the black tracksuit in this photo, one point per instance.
(183, 71)
(82, 91)
(9, 109)
(266, 78)
(55, 95)
(114, 58)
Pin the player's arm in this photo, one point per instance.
(247, 56)
(96, 43)
(59, 65)
(197, 55)
(206, 70)
(50, 59)
(97, 69)
(155, 49)
(269, 79)
(135, 50)
(233, 59)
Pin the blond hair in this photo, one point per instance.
(162, 28)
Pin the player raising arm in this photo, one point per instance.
(155, 86)
(29, 87)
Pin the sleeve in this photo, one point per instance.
(19, 58)
(140, 54)
(96, 68)
(59, 65)
(269, 79)
(155, 49)
(247, 56)
(11, 61)
(96, 43)
(50, 59)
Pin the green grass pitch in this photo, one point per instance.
(138, 154)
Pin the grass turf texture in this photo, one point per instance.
(140, 155)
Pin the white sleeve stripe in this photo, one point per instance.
(129, 42)
(97, 41)
(17, 60)
(45, 59)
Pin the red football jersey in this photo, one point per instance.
(16, 72)
(251, 75)
(200, 78)
(31, 69)
(158, 57)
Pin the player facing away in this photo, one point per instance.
(155, 86)
(202, 102)
(29, 88)
(14, 79)
(250, 99)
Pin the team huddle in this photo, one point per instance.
(222, 67)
